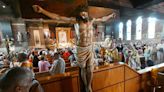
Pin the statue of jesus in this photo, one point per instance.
(84, 31)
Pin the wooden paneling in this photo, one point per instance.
(107, 78)
(43, 74)
(67, 82)
(145, 78)
(129, 73)
(132, 85)
(66, 85)
(144, 82)
(115, 88)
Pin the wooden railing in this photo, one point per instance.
(145, 78)
(68, 67)
(108, 78)
(68, 82)
(115, 78)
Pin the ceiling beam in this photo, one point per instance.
(130, 13)
(106, 4)
(149, 4)
(126, 12)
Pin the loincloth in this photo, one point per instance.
(85, 56)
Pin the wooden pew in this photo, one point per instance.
(145, 77)
(43, 74)
(67, 82)
(107, 78)
(69, 69)
(115, 78)
(36, 69)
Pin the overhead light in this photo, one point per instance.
(3, 6)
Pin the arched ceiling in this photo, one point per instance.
(133, 8)
(23, 8)
(157, 7)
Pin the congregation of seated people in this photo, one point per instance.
(40, 60)
(137, 55)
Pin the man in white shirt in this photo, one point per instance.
(58, 65)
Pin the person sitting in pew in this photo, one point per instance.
(4, 62)
(43, 64)
(58, 65)
(35, 59)
(22, 58)
(72, 59)
(66, 55)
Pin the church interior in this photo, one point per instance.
(82, 45)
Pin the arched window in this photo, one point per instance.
(128, 34)
(121, 30)
(138, 28)
(151, 27)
